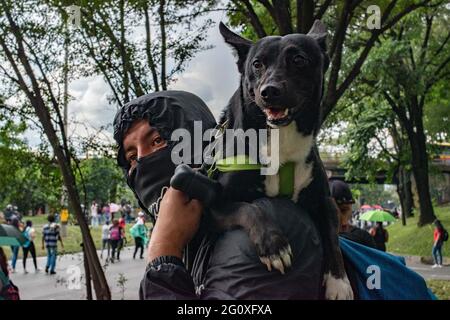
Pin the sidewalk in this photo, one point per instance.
(40, 286)
(422, 265)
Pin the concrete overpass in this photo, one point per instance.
(333, 165)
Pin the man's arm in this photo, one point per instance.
(166, 276)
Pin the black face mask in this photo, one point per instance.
(151, 178)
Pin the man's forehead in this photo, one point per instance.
(138, 128)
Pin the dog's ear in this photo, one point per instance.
(318, 31)
(241, 45)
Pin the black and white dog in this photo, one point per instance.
(281, 87)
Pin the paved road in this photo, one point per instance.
(426, 271)
(56, 287)
(40, 286)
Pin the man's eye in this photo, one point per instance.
(131, 158)
(157, 141)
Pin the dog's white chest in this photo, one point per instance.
(293, 147)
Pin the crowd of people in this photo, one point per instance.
(113, 239)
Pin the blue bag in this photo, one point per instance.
(383, 276)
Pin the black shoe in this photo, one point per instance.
(52, 272)
(134, 257)
(46, 269)
(142, 257)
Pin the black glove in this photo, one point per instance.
(195, 184)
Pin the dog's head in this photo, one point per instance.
(283, 75)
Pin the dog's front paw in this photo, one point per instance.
(337, 288)
(274, 250)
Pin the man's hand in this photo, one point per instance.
(178, 221)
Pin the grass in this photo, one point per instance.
(441, 288)
(412, 240)
(71, 242)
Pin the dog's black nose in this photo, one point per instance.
(270, 91)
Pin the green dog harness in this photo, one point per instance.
(286, 172)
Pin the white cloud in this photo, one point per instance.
(211, 74)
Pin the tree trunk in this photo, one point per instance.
(100, 283)
(162, 26)
(408, 195)
(404, 193)
(123, 53)
(61, 151)
(305, 15)
(420, 170)
(148, 48)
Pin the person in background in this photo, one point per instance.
(30, 234)
(8, 291)
(380, 235)
(9, 212)
(343, 197)
(14, 221)
(50, 237)
(105, 239)
(94, 215)
(438, 241)
(127, 210)
(139, 233)
(115, 239)
(64, 221)
(122, 224)
(106, 213)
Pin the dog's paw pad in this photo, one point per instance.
(337, 288)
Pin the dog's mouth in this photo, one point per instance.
(277, 116)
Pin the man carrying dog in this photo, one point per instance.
(187, 259)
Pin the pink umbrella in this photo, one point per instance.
(114, 207)
(378, 207)
(365, 207)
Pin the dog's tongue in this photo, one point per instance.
(275, 114)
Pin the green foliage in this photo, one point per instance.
(372, 194)
(29, 178)
(104, 181)
(405, 67)
(414, 240)
(364, 137)
(437, 113)
(441, 288)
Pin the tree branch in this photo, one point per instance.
(429, 23)
(148, 50)
(253, 18)
(322, 9)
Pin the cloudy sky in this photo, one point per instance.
(211, 74)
